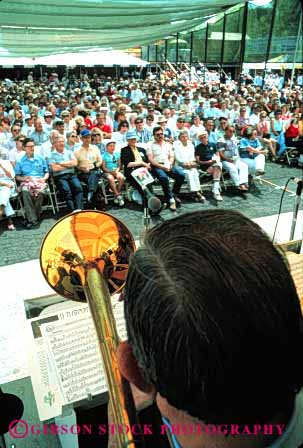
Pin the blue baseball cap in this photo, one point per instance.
(85, 133)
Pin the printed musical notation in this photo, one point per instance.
(65, 359)
(74, 351)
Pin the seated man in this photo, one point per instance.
(62, 163)
(101, 124)
(208, 159)
(32, 173)
(111, 166)
(161, 157)
(229, 153)
(39, 136)
(89, 163)
(215, 333)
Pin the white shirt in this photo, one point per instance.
(161, 153)
(253, 119)
(183, 153)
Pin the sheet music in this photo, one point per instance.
(13, 359)
(73, 350)
(64, 357)
(27, 284)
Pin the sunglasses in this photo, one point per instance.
(21, 140)
(159, 134)
(96, 135)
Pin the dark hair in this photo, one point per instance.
(156, 129)
(123, 123)
(213, 318)
(26, 141)
(83, 113)
(247, 132)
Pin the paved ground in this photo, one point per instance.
(262, 200)
(23, 245)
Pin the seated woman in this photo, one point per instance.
(185, 158)
(252, 152)
(120, 136)
(72, 141)
(264, 135)
(111, 166)
(276, 125)
(7, 187)
(292, 137)
(132, 158)
(16, 154)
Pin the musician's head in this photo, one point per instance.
(214, 320)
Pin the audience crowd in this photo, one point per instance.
(71, 135)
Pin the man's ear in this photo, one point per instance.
(129, 368)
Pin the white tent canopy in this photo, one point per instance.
(88, 59)
(38, 27)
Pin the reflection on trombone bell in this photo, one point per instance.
(85, 256)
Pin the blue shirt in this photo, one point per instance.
(39, 138)
(111, 160)
(212, 138)
(34, 167)
(246, 142)
(58, 157)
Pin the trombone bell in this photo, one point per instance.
(85, 257)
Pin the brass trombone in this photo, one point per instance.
(85, 256)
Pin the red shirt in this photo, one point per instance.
(292, 131)
(88, 123)
(104, 128)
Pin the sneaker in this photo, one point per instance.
(116, 200)
(218, 197)
(120, 201)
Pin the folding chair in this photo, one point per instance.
(55, 195)
(292, 155)
(206, 179)
(15, 198)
